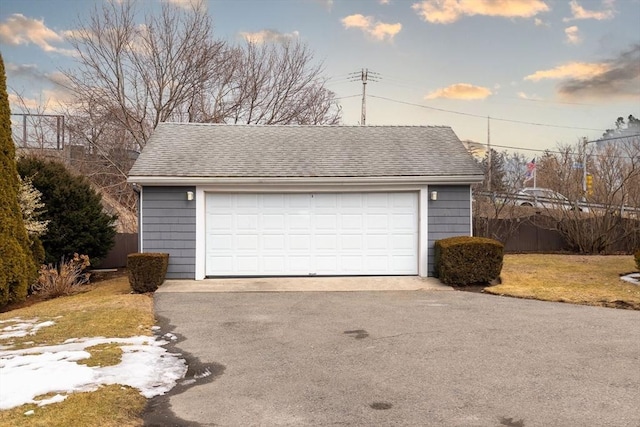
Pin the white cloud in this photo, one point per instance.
(533, 97)
(540, 23)
(265, 36)
(21, 30)
(376, 29)
(50, 100)
(619, 78)
(573, 70)
(448, 11)
(615, 78)
(384, 2)
(20, 103)
(573, 35)
(579, 12)
(460, 91)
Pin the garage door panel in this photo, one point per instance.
(327, 242)
(247, 242)
(299, 242)
(246, 201)
(377, 263)
(220, 222)
(351, 263)
(350, 222)
(353, 241)
(350, 201)
(378, 221)
(380, 242)
(273, 222)
(403, 200)
(221, 264)
(327, 221)
(403, 222)
(406, 241)
(299, 221)
(270, 201)
(378, 200)
(301, 234)
(325, 201)
(326, 264)
(246, 264)
(273, 242)
(298, 201)
(221, 201)
(298, 264)
(247, 222)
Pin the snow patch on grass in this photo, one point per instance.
(30, 372)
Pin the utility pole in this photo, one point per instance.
(365, 76)
(489, 153)
(584, 169)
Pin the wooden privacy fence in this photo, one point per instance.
(126, 243)
(536, 235)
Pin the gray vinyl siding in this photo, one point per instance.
(169, 226)
(449, 216)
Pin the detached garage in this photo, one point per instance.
(251, 200)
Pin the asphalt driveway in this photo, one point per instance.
(414, 358)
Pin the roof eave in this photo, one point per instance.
(416, 180)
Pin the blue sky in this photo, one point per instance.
(571, 67)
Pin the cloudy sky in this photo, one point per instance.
(545, 71)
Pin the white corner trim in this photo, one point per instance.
(140, 222)
(423, 231)
(201, 250)
(470, 211)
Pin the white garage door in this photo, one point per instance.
(311, 234)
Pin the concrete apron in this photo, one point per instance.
(306, 284)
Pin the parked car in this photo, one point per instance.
(545, 198)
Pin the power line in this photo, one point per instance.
(538, 150)
(484, 117)
(349, 96)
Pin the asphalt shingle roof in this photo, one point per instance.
(212, 150)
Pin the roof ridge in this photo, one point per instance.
(297, 125)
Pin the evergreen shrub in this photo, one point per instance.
(147, 271)
(465, 260)
(637, 258)
(74, 211)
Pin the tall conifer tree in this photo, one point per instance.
(17, 268)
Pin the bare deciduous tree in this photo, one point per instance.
(496, 214)
(134, 72)
(610, 214)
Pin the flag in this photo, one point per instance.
(531, 170)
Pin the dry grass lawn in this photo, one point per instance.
(577, 279)
(108, 309)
